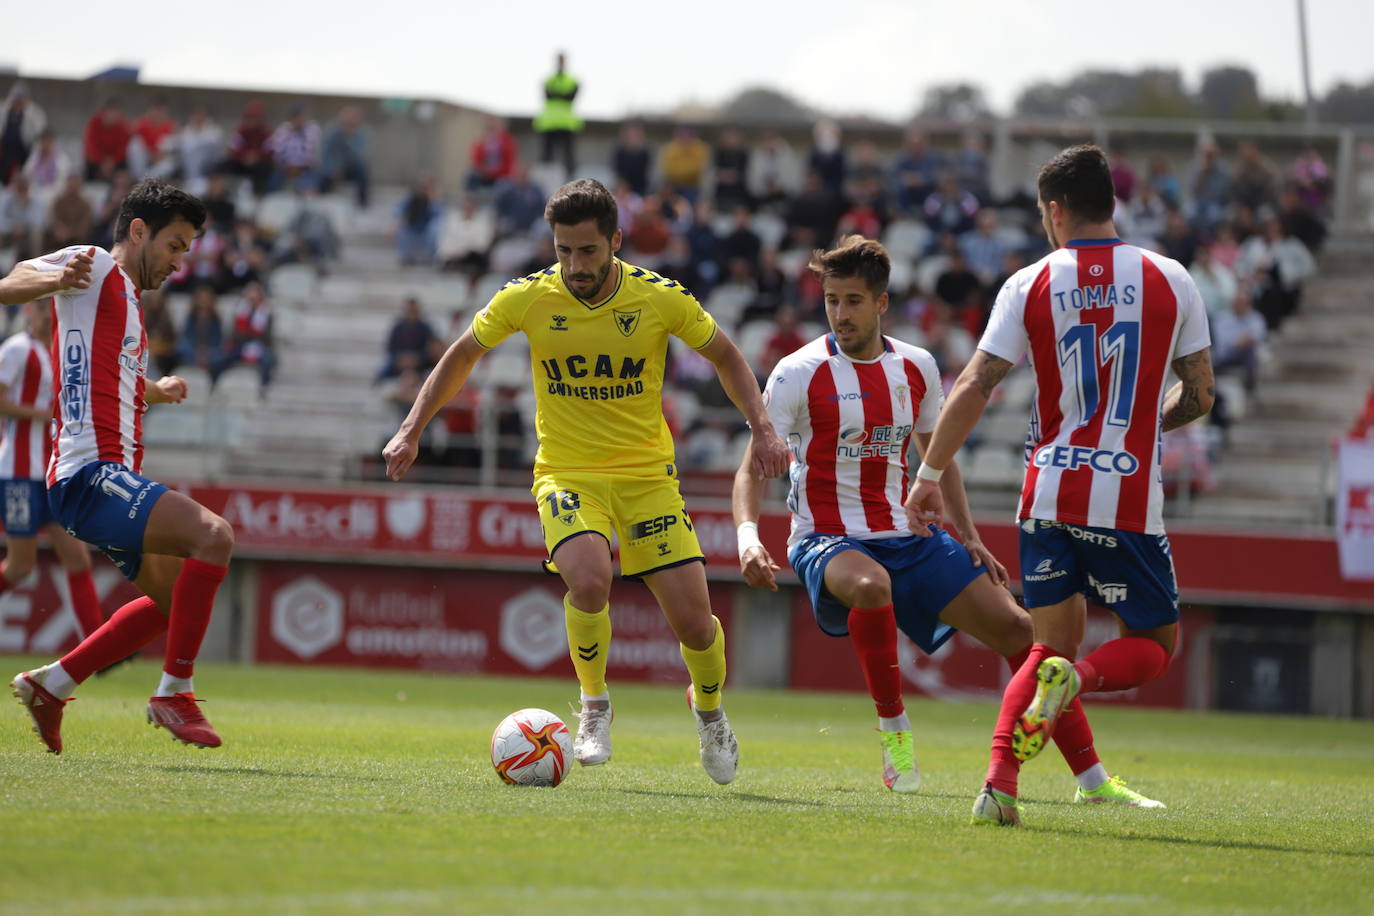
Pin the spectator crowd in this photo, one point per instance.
(733, 215)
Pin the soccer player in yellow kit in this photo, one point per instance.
(598, 332)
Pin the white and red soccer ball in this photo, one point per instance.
(531, 747)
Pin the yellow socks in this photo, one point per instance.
(589, 642)
(707, 668)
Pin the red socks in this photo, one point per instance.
(873, 631)
(85, 602)
(1003, 767)
(1072, 734)
(1122, 664)
(129, 629)
(193, 598)
(1116, 665)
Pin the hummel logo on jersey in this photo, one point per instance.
(560, 323)
(587, 653)
(1045, 565)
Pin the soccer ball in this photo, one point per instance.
(531, 747)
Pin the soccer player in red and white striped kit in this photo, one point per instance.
(850, 405)
(174, 549)
(1103, 323)
(26, 399)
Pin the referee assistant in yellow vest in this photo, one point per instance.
(557, 122)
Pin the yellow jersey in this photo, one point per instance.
(598, 369)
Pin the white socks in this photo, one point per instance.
(894, 723)
(1092, 777)
(55, 680)
(173, 685)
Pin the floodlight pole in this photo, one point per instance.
(1306, 65)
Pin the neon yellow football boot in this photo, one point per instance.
(1115, 792)
(900, 770)
(1056, 685)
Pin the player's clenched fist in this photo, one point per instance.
(399, 455)
(77, 273)
(759, 569)
(173, 388)
(924, 506)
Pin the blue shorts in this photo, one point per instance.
(926, 573)
(1132, 574)
(26, 507)
(107, 505)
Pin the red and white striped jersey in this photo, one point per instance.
(1102, 321)
(26, 375)
(848, 424)
(100, 353)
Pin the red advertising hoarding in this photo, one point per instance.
(36, 616)
(455, 527)
(447, 620)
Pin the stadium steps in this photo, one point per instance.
(1337, 403)
(1277, 464)
(1266, 508)
(1258, 436)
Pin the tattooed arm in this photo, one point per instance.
(967, 401)
(1193, 395)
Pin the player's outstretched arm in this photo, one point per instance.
(959, 516)
(25, 284)
(442, 386)
(966, 403)
(1196, 389)
(770, 457)
(170, 389)
(755, 563)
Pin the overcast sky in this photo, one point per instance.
(872, 56)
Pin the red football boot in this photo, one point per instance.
(44, 708)
(180, 715)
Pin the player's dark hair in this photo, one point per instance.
(856, 256)
(581, 200)
(1080, 179)
(157, 203)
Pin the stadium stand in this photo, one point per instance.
(334, 276)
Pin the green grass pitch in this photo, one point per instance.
(362, 791)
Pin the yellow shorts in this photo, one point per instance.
(647, 514)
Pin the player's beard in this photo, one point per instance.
(149, 279)
(602, 273)
(858, 345)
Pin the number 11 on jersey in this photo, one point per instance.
(1086, 350)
